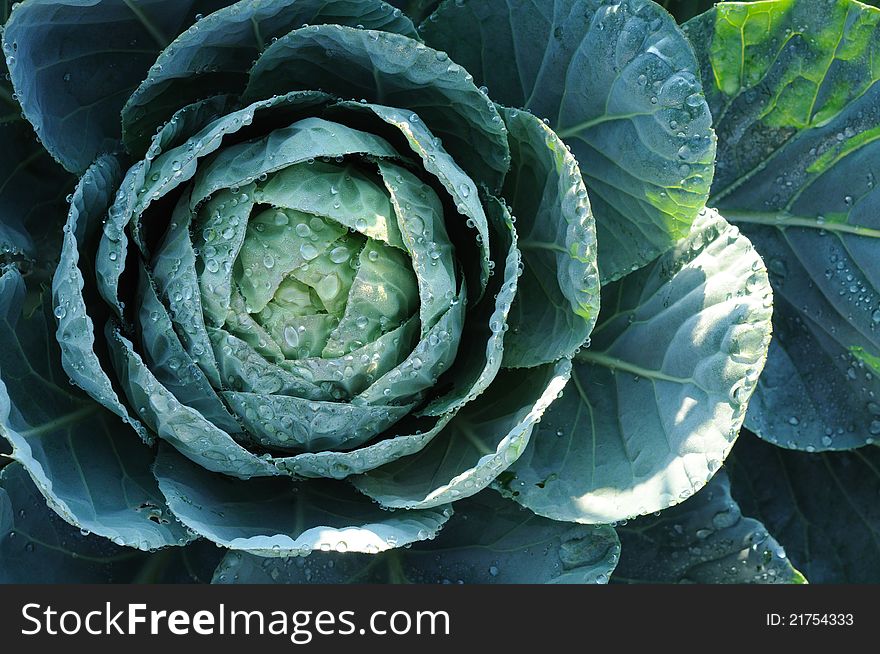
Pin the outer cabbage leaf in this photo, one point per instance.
(215, 54)
(90, 467)
(483, 439)
(480, 353)
(618, 82)
(488, 541)
(75, 62)
(271, 517)
(32, 191)
(558, 292)
(705, 540)
(37, 546)
(656, 402)
(74, 278)
(793, 87)
(393, 70)
(822, 507)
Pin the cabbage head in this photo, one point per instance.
(327, 284)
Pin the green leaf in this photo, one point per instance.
(92, 470)
(215, 54)
(419, 214)
(488, 541)
(75, 62)
(354, 372)
(342, 192)
(390, 69)
(794, 99)
(384, 294)
(271, 517)
(484, 438)
(267, 258)
(480, 351)
(242, 368)
(461, 188)
(420, 370)
(656, 402)
(619, 83)
(76, 328)
(186, 429)
(822, 507)
(557, 302)
(37, 546)
(168, 360)
(292, 423)
(705, 540)
(405, 438)
(244, 326)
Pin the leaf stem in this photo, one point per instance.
(160, 39)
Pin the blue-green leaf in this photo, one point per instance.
(488, 541)
(619, 83)
(91, 468)
(656, 402)
(421, 225)
(461, 188)
(75, 62)
(32, 210)
(557, 300)
(215, 54)
(405, 438)
(186, 429)
(37, 546)
(240, 164)
(76, 328)
(795, 90)
(292, 423)
(480, 352)
(705, 540)
(390, 69)
(177, 285)
(169, 361)
(484, 438)
(822, 507)
(271, 517)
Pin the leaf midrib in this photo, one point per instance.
(602, 359)
(783, 220)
